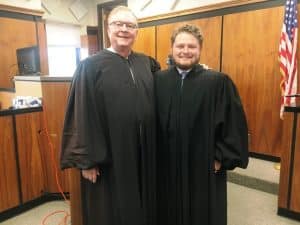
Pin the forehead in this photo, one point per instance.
(123, 16)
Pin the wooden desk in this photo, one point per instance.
(54, 92)
(34, 153)
(22, 178)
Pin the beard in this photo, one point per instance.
(186, 66)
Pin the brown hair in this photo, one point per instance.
(188, 28)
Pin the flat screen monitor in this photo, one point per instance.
(28, 60)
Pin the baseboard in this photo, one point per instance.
(288, 213)
(47, 197)
(252, 182)
(264, 157)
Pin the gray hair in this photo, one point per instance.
(120, 8)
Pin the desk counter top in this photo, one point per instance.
(7, 112)
(44, 78)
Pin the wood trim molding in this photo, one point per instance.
(206, 8)
(15, 9)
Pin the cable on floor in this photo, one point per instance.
(66, 213)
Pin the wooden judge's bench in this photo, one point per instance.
(30, 144)
(289, 185)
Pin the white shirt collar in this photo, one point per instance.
(113, 50)
(180, 71)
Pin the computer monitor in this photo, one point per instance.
(28, 60)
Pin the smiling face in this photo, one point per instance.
(186, 50)
(122, 30)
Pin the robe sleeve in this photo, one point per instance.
(83, 140)
(231, 128)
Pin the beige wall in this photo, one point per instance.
(27, 88)
(59, 10)
(158, 7)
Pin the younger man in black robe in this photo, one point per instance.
(203, 133)
(109, 131)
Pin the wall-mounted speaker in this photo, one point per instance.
(78, 10)
(46, 7)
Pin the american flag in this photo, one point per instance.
(288, 56)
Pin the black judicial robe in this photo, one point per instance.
(110, 123)
(200, 119)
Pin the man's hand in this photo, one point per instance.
(206, 67)
(217, 166)
(91, 174)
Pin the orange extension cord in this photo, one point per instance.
(65, 213)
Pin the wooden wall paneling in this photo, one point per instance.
(90, 40)
(14, 34)
(6, 99)
(55, 96)
(93, 40)
(163, 43)
(93, 44)
(210, 54)
(42, 42)
(90, 43)
(9, 191)
(250, 57)
(84, 41)
(145, 41)
(29, 125)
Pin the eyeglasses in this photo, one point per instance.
(120, 25)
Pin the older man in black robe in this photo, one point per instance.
(109, 130)
(203, 133)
